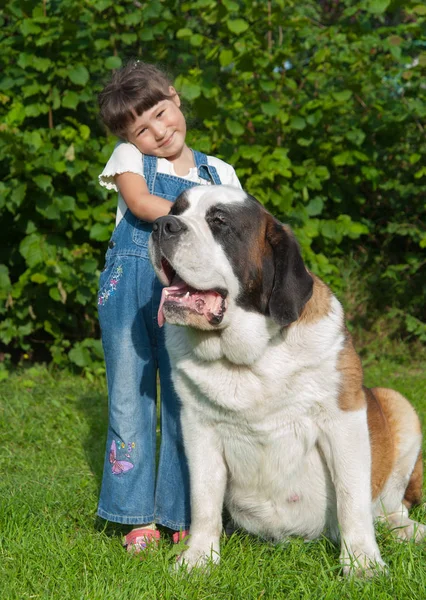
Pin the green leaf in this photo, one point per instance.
(101, 5)
(79, 75)
(237, 25)
(344, 158)
(253, 152)
(34, 139)
(51, 212)
(146, 35)
(43, 181)
(315, 207)
(16, 115)
(80, 356)
(183, 33)
(128, 38)
(89, 266)
(297, 123)
(24, 60)
(342, 96)
(329, 229)
(420, 173)
(5, 283)
(188, 89)
(66, 203)
(226, 57)
(267, 86)
(70, 99)
(41, 64)
(101, 44)
(356, 136)
(419, 9)
(100, 233)
(84, 132)
(230, 5)
(113, 62)
(28, 26)
(34, 110)
(414, 158)
(38, 278)
(305, 141)
(17, 195)
(377, 7)
(196, 40)
(55, 295)
(234, 127)
(31, 250)
(271, 109)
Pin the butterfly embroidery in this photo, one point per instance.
(118, 466)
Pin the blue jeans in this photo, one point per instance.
(134, 352)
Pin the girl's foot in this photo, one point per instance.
(140, 538)
(180, 536)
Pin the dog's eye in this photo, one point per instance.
(219, 219)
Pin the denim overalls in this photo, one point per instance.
(133, 490)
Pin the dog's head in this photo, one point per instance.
(219, 248)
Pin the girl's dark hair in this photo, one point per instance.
(133, 89)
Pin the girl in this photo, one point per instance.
(149, 167)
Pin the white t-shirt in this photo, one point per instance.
(127, 158)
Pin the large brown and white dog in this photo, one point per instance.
(276, 421)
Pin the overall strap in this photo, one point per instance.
(205, 171)
(149, 171)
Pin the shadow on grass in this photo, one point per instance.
(94, 408)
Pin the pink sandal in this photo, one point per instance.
(139, 539)
(180, 536)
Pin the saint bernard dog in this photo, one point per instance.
(276, 421)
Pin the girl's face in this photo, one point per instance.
(161, 130)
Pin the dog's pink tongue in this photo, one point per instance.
(160, 314)
(177, 289)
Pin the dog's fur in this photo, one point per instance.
(277, 423)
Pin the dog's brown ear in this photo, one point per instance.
(292, 286)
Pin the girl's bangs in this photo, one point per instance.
(149, 100)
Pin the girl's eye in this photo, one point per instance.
(142, 131)
(160, 113)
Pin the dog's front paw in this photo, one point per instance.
(358, 563)
(201, 554)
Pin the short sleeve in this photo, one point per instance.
(233, 179)
(125, 158)
(226, 172)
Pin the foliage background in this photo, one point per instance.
(320, 105)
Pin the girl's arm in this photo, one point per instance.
(140, 202)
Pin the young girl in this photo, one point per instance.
(149, 168)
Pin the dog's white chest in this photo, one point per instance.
(272, 450)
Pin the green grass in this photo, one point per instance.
(52, 432)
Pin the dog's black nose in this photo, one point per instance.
(168, 226)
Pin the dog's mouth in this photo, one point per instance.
(210, 304)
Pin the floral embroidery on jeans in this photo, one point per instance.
(112, 285)
(120, 466)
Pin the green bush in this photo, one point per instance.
(319, 105)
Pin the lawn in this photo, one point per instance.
(52, 545)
